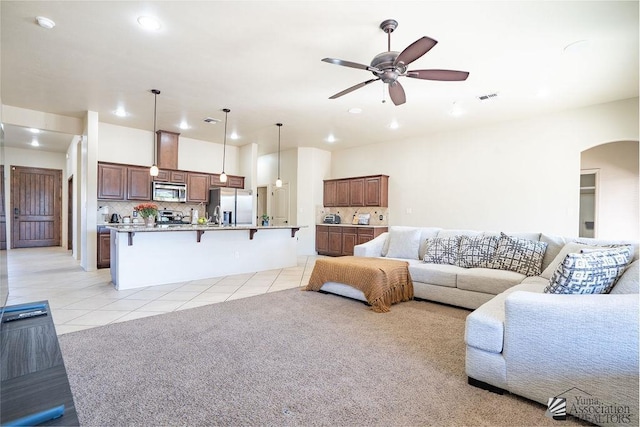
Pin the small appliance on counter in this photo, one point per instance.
(170, 217)
(331, 219)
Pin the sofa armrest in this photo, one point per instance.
(373, 248)
(584, 343)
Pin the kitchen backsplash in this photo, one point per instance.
(347, 213)
(126, 208)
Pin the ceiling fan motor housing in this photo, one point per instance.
(384, 62)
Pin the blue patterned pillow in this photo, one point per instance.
(520, 255)
(442, 250)
(593, 272)
(476, 251)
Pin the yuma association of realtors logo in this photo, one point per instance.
(587, 407)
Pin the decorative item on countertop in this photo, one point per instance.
(265, 220)
(148, 211)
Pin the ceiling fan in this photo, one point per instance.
(389, 66)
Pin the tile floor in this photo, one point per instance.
(81, 299)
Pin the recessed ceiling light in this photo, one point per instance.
(120, 112)
(456, 110)
(331, 139)
(34, 130)
(355, 110)
(394, 125)
(542, 93)
(234, 135)
(183, 125)
(35, 143)
(45, 22)
(149, 23)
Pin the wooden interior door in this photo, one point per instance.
(36, 199)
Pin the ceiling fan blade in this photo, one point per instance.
(415, 50)
(396, 93)
(352, 88)
(444, 75)
(349, 64)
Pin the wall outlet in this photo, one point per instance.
(381, 217)
(135, 214)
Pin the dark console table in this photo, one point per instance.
(33, 377)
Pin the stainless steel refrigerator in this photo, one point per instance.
(235, 206)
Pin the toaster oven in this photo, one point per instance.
(331, 219)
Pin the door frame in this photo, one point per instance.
(596, 203)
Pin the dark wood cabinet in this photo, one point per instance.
(372, 191)
(376, 191)
(138, 183)
(130, 182)
(104, 248)
(322, 239)
(342, 192)
(349, 239)
(112, 180)
(329, 194)
(336, 240)
(167, 149)
(235, 181)
(356, 192)
(198, 187)
(171, 176)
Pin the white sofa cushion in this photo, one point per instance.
(593, 272)
(628, 283)
(488, 280)
(404, 243)
(521, 255)
(435, 274)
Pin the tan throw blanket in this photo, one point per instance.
(383, 281)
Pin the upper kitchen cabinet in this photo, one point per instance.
(171, 176)
(138, 183)
(112, 180)
(370, 191)
(376, 191)
(233, 181)
(329, 194)
(167, 149)
(198, 187)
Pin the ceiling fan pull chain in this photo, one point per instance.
(383, 93)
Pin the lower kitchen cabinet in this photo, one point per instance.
(334, 240)
(104, 248)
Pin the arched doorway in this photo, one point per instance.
(609, 193)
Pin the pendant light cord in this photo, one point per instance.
(224, 146)
(155, 114)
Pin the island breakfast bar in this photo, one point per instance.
(147, 256)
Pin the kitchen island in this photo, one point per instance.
(147, 256)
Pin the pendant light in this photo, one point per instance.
(279, 181)
(223, 176)
(154, 169)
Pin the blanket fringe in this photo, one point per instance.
(393, 295)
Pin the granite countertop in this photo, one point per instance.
(353, 225)
(125, 228)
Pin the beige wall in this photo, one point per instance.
(514, 176)
(617, 201)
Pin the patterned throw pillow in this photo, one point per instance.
(593, 272)
(520, 255)
(476, 251)
(442, 250)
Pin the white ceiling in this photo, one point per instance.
(261, 59)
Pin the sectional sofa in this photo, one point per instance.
(547, 347)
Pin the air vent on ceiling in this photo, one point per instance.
(488, 96)
(211, 120)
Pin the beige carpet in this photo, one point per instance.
(286, 358)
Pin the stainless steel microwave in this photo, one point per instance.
(169, 192)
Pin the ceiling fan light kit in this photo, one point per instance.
(390, 65)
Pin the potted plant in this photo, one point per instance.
(148, 211)
(265, 219)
